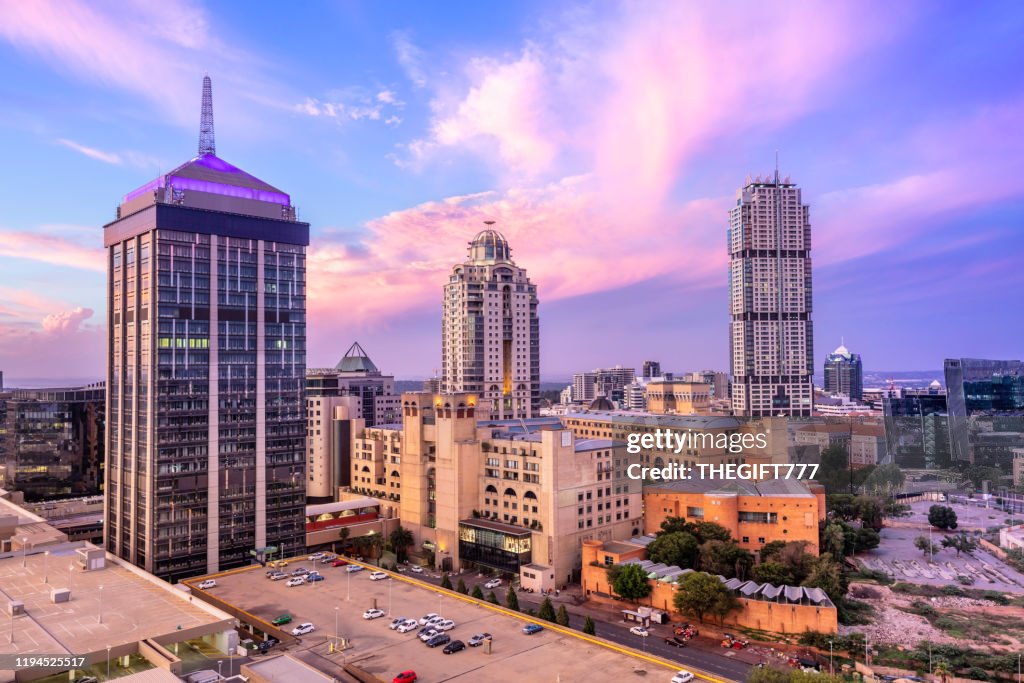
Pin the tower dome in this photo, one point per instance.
(489, 245)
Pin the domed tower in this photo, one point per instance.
(490, 341)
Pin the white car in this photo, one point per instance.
(295, 581)
(207, 585)
(314, 557)
(427, 617)
(373, 613)
(434, 621)
(493, 583)
(277, 576)
(478, 639)
(408, 625)
(428, 634)
(445, 625)
(416, 569)
(396, 622)
(303, 629)
(353, 568)
(683, 676)
(378, 576)
(639, 631)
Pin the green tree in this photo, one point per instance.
(700, 594)
(492, 598)
(797, 560)
(677, 548)
(961, 543)
(896, 509)
(833, 537)
(841, 506)
(512, 600)
(925, 546)
(461, 587)
(631, 583)
(725, 558)
(562, 618)
(343, 537)
(870, 511)
(976, 474)
(767, 674)
(477, 593)
(885, 480)
(770, 550)
(867, 539)
(942, 517)
(547, 610)
(446, 582)
(675, 524)
(772, 572)
(828, 575)
(588, 626)
(401, 538)
(711, 531)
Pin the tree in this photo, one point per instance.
(772, 572)
(896, 509)
(841, 506)
(461, 587)
(976, 474)
(711, 531)
(725, 604)
(700, 594)
(767, 674)
(677, 548)
(828, 575)
(867, 539)
(942, 670)
(797, 560)
(492, 598)
(725, 558)
(870, 511)
(885, 480)
(942, 517)
(631, 583)
(770, 550)
(547, 610)
(511, 600)
(675, 524)
(588, 626)
(343, 537)
(833, 538)
(961, 543)
(477, 593)
(401, 538)
(562, 618)
(446, 582)
(925, 546)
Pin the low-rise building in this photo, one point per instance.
(763, 607)
(754, 513)
(674, 397)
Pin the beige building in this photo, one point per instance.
(674, 397)
(331, 422)
(490, 333)
(519, 496)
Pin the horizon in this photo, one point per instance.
(611, 184)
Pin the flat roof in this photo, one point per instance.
(287, 669)
(496, 526)
(639, 419)
(793, 488)
(355, 504)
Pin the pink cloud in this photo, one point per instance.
(63, 322)
(69, 246)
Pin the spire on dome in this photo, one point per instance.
(206, 142)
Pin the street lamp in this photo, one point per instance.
(46, 557)
(831, 670)
(100, 615)
(1018, 661)
(220, 677)
(348, 583)
(390, 582)
(108, 659)
(336, 634)
(24, 551)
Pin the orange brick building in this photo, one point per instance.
(755, 513)
(775, 609)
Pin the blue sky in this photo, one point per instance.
(607, 140)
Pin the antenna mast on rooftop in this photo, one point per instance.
(206, 143)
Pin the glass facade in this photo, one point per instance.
(502, 549)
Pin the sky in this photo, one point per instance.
(607, 141)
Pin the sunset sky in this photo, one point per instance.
(607, 140)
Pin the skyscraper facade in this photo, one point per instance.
(490, 341)
(844, 374)
(986, 405)
(652, 369)
(771, 336)
(206, 418)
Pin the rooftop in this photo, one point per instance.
(637, 419)
(789, 488)
(210, 173)
(356, 360)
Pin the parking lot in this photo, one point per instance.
(343, 597)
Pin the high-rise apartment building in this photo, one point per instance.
(771, 337)
(602, 383)
(844, 374)
(652, 369)
(490, 341)
(206, 420)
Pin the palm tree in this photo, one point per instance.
(343, 536)
(941, 669)
(375, 543)
(401, 538)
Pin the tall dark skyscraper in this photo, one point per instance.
(652, 369)
(844, 373)
(206, 421)
(985, 391)
(771, 335)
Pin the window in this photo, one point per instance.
(746, 539)
(695, 512)
(760, 540)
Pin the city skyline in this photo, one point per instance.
(606, 147)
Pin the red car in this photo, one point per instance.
(339, 563)
(405, 677)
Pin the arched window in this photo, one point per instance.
(490, 489)
(530, 495)
(511, 492)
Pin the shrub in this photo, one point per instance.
(952, 590)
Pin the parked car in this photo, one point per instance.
(434, 621)
(303, 628)
(427, 617)
(405, 677)
(408, 625)
(270, 642)
(310, 578)
(396, 622)
(315, 556)
(300, 571)
(207, 585)
(530, 629)
(478, 639)
(373, 613)
(676, 641)
(640, 631)
(493, 583)
(354, 568)
(439, 639)
(427, 632)
(416, 568)
(282, 620)
(683, 676)
(453, 647)
(327, 559)
(378, 576)
(445, 625)
(277, 576)
(338, 562)
(295, 581)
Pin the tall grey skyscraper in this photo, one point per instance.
(490, 336)
(844, 373)
(206, 421)
(771, 339)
